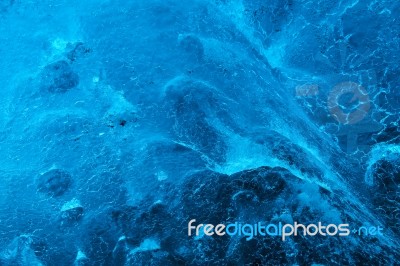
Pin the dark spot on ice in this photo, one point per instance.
(79, 50)
(122, 122)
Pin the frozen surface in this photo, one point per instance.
(122, 120)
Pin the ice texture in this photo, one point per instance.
(123, 120)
